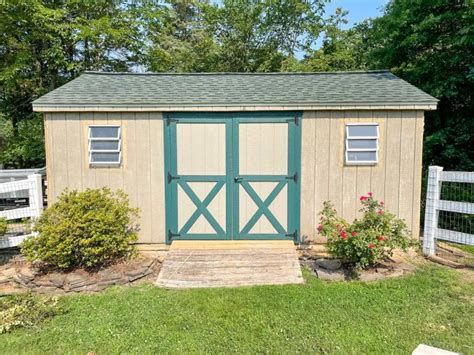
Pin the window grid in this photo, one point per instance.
(93, 151)
(352, 138)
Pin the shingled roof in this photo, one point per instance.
(174, 90)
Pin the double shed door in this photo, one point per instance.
(232, 176)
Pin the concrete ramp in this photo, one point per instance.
(194, 264)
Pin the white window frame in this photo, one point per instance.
(103, 139)
(349, 138)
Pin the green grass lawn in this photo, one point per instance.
(433, 306)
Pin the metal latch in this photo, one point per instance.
(172, 235)
(295, 120)
(293, 177)
(171, 178)
(237, 179)
(169, 120)
(293, 235)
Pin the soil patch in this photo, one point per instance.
(316, 259)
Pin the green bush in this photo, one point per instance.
(25, 310)
(86, 229)
(368, 240)
(3, 226)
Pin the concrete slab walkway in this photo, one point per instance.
(193, 264)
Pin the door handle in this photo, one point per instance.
(237, 179)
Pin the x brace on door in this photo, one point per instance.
(201, 207)
(263, 207)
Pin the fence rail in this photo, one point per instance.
(457, 214)
(32, 185)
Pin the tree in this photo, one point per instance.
(430, 43)
(43, 44)
(341, 50)
(178, 39)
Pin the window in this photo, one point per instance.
(362, 143)
(104, 145)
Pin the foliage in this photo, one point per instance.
(3, 226)
(26, 147)
(430, 43)
(367, 240)
(25, 311)
(231, 36)
(84, 229)
(44, 44)
(435, 302)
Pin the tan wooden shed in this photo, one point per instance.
(238, 156)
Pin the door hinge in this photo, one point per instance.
(169, 120)
(293, 177)
(171, 235)
(293, 235)
(171, 178)
(295, 120)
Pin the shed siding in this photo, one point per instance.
(396, 179)
(140, 175)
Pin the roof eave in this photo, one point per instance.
(425, 106)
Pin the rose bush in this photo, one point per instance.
(367, 240)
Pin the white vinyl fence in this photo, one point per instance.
(16, 214)
(449, 212)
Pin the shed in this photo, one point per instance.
(238, 155)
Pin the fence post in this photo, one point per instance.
(433, 194)
(35, 194)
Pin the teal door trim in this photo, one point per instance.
(173, 180)
(232, 180)
(292, 230)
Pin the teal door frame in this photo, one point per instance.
(232, 180)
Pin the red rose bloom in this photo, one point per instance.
(380, 212)
(371, 246)
(354, 233)
(381, 238)
(381, 203)
(370, 194)
(320, 228)
(363, 198)
(343, 235)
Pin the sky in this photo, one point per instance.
(359, 10)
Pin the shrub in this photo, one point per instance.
(367, 240)
(86, 229)
(3, 225)
(25, 310)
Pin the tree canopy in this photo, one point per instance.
(44, 44)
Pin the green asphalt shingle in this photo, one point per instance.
(231, 89)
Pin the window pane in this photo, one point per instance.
(362, 144)
(362, 131)
(104, 132)
(361, 156)
(105, 158)
(104, 145)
